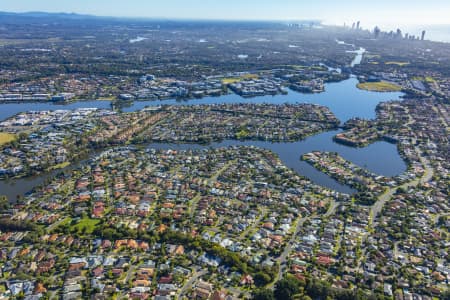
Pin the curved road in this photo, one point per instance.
(382, 199)
(282, 259)
(188, 285)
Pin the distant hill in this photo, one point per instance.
(38, 17)
(73, 19)
(38, 14)
(45, 17)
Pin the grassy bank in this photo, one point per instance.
(59, 166)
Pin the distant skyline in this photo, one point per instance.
(386, 13)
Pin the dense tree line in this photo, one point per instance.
(292, 288)
(6, 224)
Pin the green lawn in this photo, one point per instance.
(381, 86)
(86, 225)
(429, 79)
(65, 221)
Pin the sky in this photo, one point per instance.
(389, 13)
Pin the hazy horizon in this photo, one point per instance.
(410, 16)
(383, 13)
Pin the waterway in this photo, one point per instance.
(343, 98)
(290, 153)
(358, 58)
(380, 157)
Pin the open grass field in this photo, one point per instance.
(59, 166)
(427, 79)
(381, 86)
(230, 80)
(6, 138)
(111, 98)
(86, 225)
(398, 63)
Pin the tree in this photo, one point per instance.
(286, 288)
(4, 203)
(263, 294)
(261, 279)
(446, 294)
(317, 288)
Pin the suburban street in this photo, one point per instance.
(190, 283)
(378, 206)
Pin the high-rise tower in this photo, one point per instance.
(423, 35)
